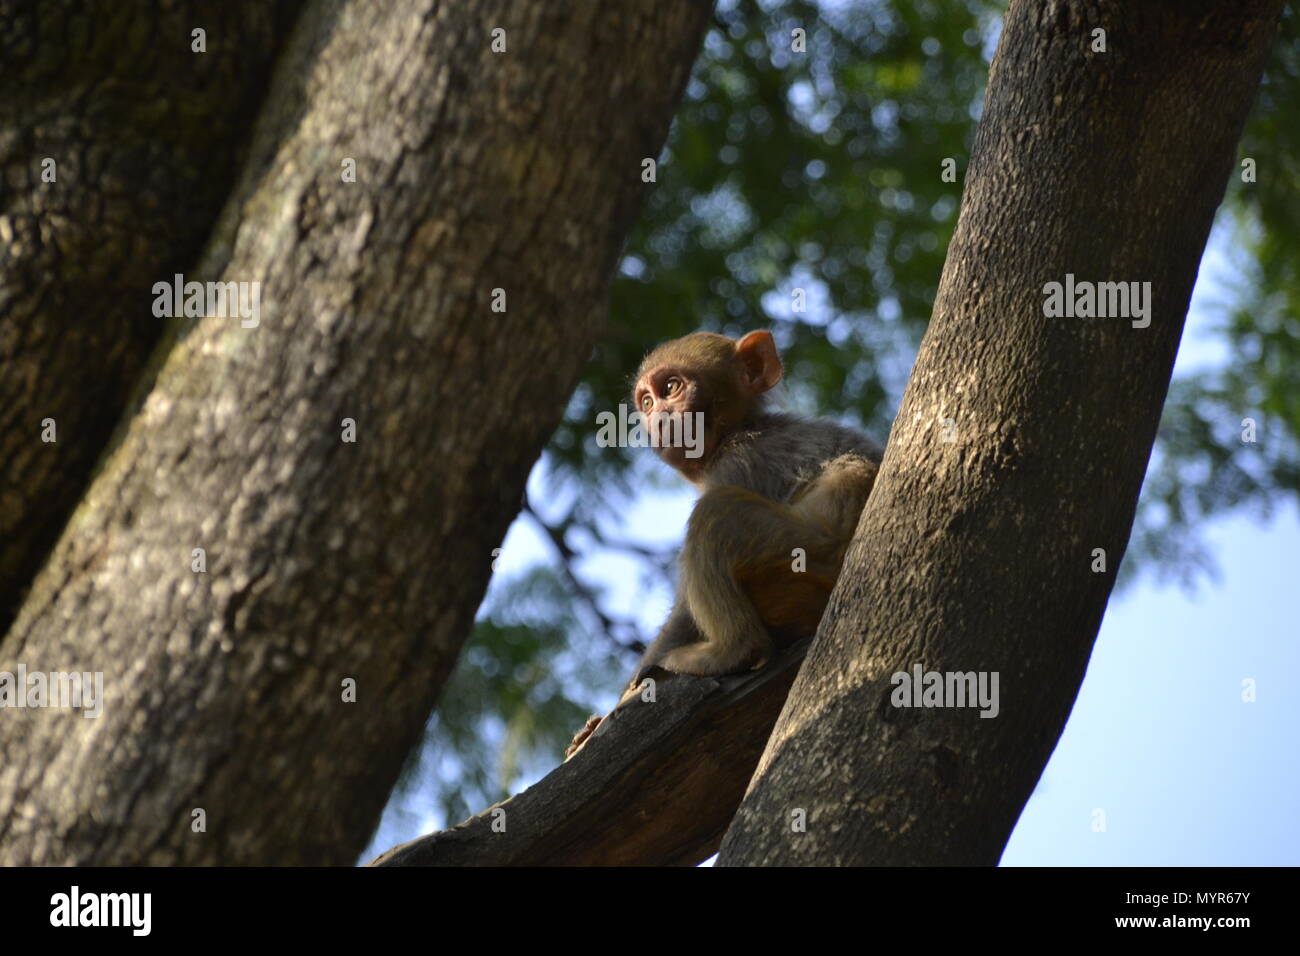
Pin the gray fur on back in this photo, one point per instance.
(776, 452)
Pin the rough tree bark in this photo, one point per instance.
(329, 560)
(976, 555)
(144, 134)
(656, 785)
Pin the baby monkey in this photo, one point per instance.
(779, 500)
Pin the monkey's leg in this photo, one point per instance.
(717, 539)
(792, 585)
(735, 539)
(753, 567)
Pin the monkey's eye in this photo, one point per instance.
(646, 402)
(672, 386)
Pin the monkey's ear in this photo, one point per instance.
(759, 360)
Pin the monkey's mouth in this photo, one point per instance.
(689, 462)
(679, 437)
(676, 446)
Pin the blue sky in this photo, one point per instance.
(1160, 741)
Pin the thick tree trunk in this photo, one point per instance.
(140, 135)
(329, 560)
(977, 554)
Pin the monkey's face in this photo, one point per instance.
(687, 414)
(695, 391)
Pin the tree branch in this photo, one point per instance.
(657, 784)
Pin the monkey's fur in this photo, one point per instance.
(769, 484)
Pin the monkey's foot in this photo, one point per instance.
(583, 735)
